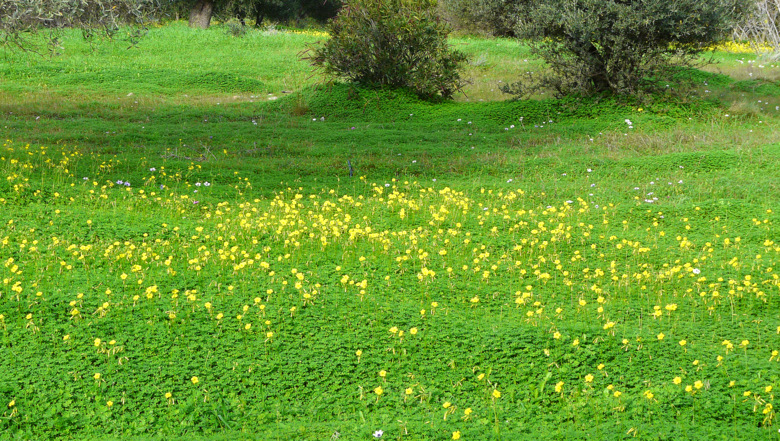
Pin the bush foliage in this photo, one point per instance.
(395, 43)
(593, 46)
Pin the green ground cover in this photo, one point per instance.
(186, 252)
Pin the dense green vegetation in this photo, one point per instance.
(187, 253)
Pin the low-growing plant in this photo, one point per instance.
(395, 43)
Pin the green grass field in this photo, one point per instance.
(202, 240)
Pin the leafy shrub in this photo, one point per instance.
(236, 29)
(395, 43)
(594, 46)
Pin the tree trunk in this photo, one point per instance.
(200, 15)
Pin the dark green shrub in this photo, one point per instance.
(394, 43)
(593, 46)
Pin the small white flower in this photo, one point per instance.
(207, 184)
(120, 182)
(378, 434)
(152, 169)
(696, 271)
(387, 185)
(197, 184)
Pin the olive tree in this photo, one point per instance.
(594, 46)
(20, 19)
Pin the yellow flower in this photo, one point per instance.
(413, 331)
(557, 335)
(446, 405)
(456, 434)
(576, 342)
(480, 377)
(96, 376)
(168, 395)
(683, 342)
(559, 387)
(589, 378)
(660, 336)
(649, 395)
(12, 403)
(97, 342)
(379, 391)
(248, 326)
(109, 403)
(467, 411)
(744, 343)
(194, 380)
(768, 389)
(688, 388)
(600, 366)
(358, 353)
(394, 329)
(496, 393)
(383, 373)
(677, 380)
(409, 391)
(269, 334)
(617, 394)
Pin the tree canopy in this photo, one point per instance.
(19, 19)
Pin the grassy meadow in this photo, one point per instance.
(201, 239)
